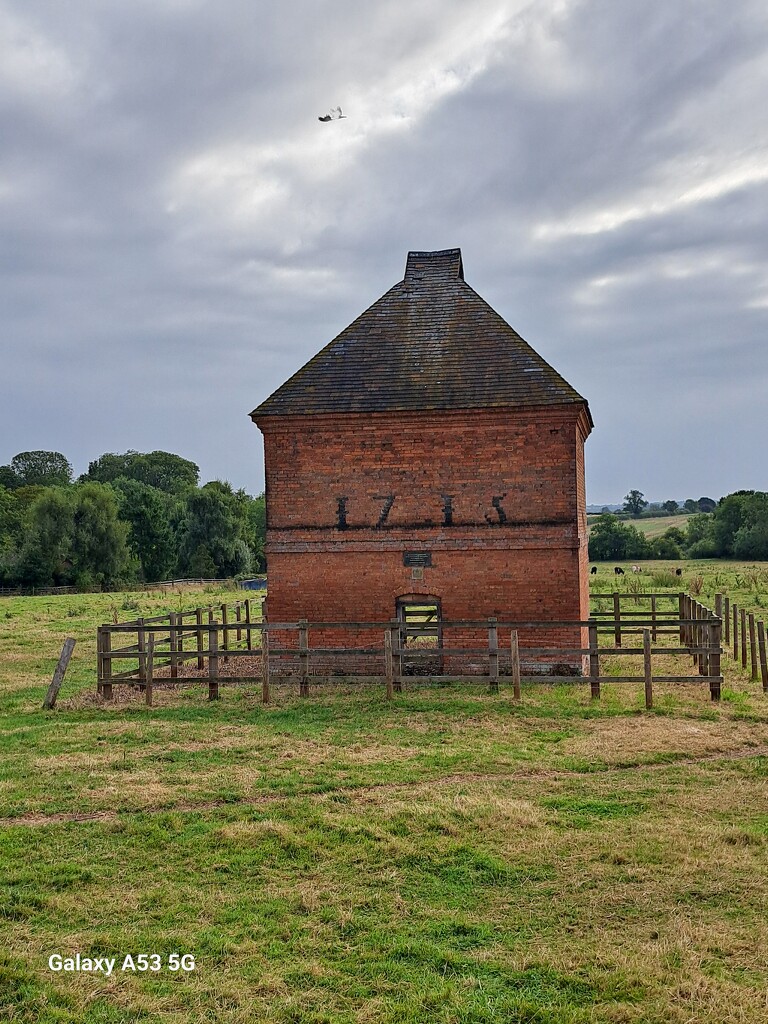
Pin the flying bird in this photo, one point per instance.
(334, 115)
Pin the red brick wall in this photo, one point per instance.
(521, 559)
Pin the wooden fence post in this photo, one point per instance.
(653, 617)
(617, 618)
(716, 637)
(493, 655)
(213, 662)
(141, 643)
(752, 648)
(743, 625)
(719, 605)
(735, 610)
(264, 665)
(594, 660)
(763, 657)
(58, 675)
(200, 645)
(647, 669)
(397, 656)
(224, 634)
(248, 630)
(388, 669)
(727, 619)
(150, 667)
(100, 634)
(681, 615)
(239, 619)
(173, 641)
(303, 658)
(515, 659)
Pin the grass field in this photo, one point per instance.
(652, 527)
(446, 857)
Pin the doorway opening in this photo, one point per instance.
(421, 634)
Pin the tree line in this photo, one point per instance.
(133, 517)
(735, 527)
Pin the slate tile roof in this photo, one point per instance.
(429, 343)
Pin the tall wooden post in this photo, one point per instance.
(58, 675)
(248, 630)
(647, 669)
(515, 660)
(264, 665)
(743, 625)
(727, 620)
(653, 617)
(142, 646)
(100, 634)
(594, 660)
(224, 633)
(388, 667)
(303, 658)
(763, 657)
(716, 636)
(173, 639)
(150, 669)
(239, 619)
(735, 632)
(681, 614)
(213, 662)
(617, 618)
(397, 656)
(493, 655)
(752, 648)
(200, 643)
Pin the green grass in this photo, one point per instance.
(651, 527)
(447, 856)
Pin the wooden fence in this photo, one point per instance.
(207, 639)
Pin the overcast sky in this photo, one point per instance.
(179, 233)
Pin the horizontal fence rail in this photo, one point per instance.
(227, 644)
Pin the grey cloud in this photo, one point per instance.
(148, 303)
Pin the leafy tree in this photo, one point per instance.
(8, 478)
(49, 469)
(164, 470)
(665, 547)
(699, 537)
(11, 516)
(752, 541)
(670, 506)
(201, 565)
(612, 539)
(690, 505)
(676, 535)
(151, 536)
(99, 551)
(731, 514)
(44, 559)
(634, 502)
(211, 521)
(706, 504)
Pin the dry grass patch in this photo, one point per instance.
(625, 740)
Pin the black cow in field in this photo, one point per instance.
(593, 570)
(619, 571)
(678, 572)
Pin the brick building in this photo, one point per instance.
(426, 456)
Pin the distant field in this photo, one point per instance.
(652, 527)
